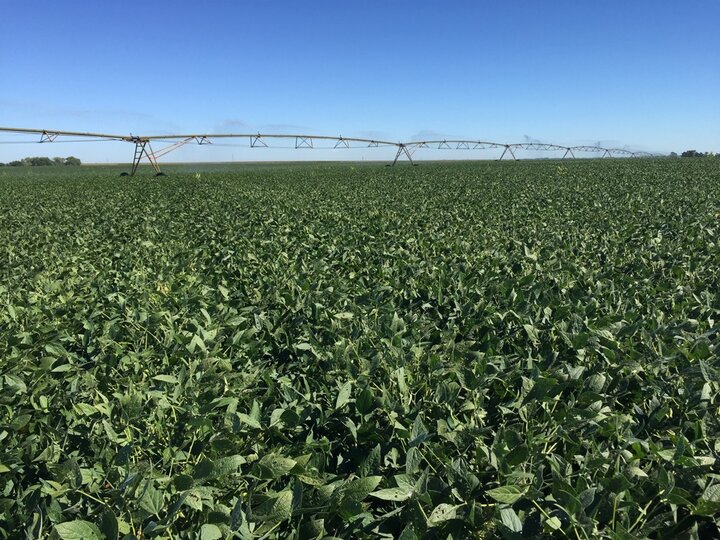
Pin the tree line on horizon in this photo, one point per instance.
(693, 153)
(43, 162)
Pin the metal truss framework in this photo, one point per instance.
(143, 148)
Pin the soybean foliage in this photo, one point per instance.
(447, 351)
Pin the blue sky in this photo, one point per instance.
(640, 74)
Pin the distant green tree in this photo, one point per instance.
(692, 153)
(71, 160)
(673, 154)
(16, 163)
(38, 161)
(58, 161)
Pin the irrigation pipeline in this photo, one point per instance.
(144, 150)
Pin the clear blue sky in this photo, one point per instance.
(642, 74)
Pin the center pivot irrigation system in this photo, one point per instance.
(143, 146)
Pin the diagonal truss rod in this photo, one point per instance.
(183, 142)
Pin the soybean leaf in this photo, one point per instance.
(78, 530)
(507, 494)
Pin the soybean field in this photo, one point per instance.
(317, 351)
